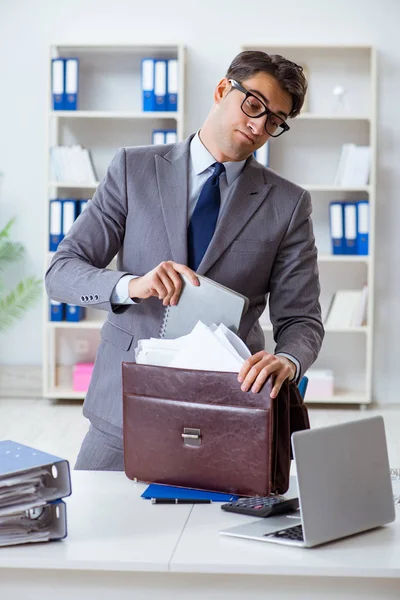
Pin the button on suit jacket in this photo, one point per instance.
(263, 244)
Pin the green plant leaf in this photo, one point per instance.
(10, 252)
(16, 302)
(5, 232)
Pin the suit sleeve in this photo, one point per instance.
(78, 273)
(294, 290)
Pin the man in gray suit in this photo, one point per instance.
(146, 211)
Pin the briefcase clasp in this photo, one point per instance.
(191, 437)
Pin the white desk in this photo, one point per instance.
(120, 546)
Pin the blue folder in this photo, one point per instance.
(155, 490)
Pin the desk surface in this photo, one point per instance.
(110, 528)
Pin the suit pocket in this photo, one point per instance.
(251, 246)
(120, 338)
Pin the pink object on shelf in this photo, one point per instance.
(81, 375)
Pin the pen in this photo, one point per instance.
(180, 501)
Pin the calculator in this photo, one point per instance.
(263, 506)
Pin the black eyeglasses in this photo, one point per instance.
(253, 107)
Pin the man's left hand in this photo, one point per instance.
(256, 370)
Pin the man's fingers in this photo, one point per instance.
(251, 361)
(184, 270)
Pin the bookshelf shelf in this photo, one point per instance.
(85, 324)
(99, 114)
(321, 117)
(336, 189)
(109, 116)
(309, 155)
(73, 185)
(337, 258)
(363, 329)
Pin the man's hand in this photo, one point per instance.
(163, 282)
(256, 370)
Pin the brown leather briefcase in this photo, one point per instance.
(197, 429)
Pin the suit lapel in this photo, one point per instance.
(248, 193)
(172, 181)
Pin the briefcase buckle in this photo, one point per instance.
(191, 437)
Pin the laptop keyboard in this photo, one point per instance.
(292, 533)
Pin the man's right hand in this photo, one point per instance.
(163, 282)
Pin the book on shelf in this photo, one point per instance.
(348, 309)
(354, 166)
(72, 164)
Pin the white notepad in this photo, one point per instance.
(210, 302)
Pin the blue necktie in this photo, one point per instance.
(204, 219)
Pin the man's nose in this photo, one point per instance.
(257, 126)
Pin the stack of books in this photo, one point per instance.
(32, 484)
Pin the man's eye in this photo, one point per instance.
(253, 103)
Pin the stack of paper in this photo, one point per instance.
(208, 348)
(354, 165)
(32, 484)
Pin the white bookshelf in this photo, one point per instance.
(309, 156)
(109, 116)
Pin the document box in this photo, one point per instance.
(197, 429)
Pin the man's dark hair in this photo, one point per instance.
(289, 75)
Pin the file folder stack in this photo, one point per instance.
(160, 84)
(64, 83)
(349, 227)
(32, 484)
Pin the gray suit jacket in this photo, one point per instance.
(263, 243)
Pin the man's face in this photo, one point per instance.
(238, 135)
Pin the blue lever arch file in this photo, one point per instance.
(20, 463)
(362, 227)
(71, 83)
(57, 83)
(160, 85)
(148, 84)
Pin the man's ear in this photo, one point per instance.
(222, 89)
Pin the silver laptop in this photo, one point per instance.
(344, 486)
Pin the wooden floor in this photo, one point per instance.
(59, 427)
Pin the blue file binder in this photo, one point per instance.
(336, 223)
(71, 83)
(25, 461)
(57, 311)
(362, 227)
(172, 84)
(55, 224)
(50, 521)
(171, 136)
(69, 214)
(158, 137)
(155, 490)
(350, 227)
(160, 85)
(148, 84)
(57, 83)
(82, 204)
(74, 313)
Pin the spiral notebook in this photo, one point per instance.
(209, 302)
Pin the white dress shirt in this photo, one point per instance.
(200, 169)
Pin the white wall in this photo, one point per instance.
(213, 31)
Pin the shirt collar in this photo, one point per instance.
(202, 160)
